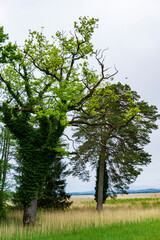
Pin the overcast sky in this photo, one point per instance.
(130, 30)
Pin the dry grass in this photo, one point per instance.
(119, 196)
(81, 215)
(74, 220)
(81, 198)
(138, 195)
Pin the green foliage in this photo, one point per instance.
(6, 151)
(40, 83)
(7, 51)
(36, 152)
(53, 192)
(2, 206)
(117, 114)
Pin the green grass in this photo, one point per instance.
(148, 230)
(125, 219)
(144, 202)
(134, 200)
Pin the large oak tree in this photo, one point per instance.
(40, 83)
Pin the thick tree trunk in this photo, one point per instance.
(29, 216)
(101, 175)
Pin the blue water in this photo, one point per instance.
(91, 193)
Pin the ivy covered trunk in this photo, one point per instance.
(53, 195)
(101, 174)
(36, 155)
(30, 213)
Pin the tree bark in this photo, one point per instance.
(30, 213)
(101, 174)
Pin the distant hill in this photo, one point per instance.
(82, 193)
(148, 190)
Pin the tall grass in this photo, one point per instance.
(82, 215)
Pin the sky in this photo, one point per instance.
(131, 32)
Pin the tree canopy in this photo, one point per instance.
(46, 85)
(40, 83)
(113, 130)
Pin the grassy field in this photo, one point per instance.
(131, 217)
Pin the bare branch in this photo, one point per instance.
(72, 144)
(92, 90)
(46, 70)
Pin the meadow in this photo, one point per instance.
(127, 217)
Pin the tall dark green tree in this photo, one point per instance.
(37, 144)
(113, 130)
(5, 157)
(41, 83)
(53, 195)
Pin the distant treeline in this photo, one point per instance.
(149, 190)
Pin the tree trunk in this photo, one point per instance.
(4, 159)
(101, 174)
(29, 216)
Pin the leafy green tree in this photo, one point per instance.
(5, 155)
(41, 83)
(53, 194)
(114, 128)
